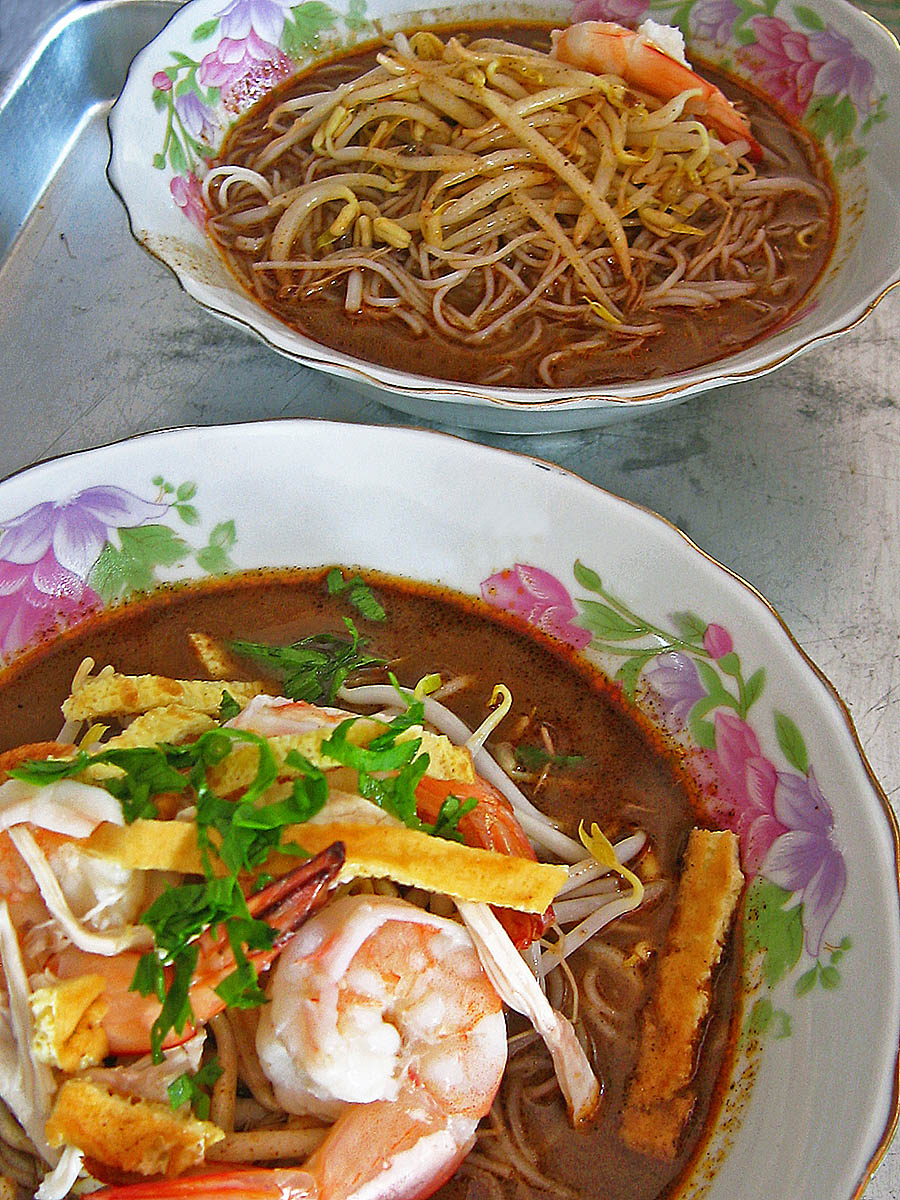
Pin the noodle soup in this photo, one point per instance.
(572, 747)
(543, 226)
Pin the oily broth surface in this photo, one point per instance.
(626, 781)
(691, 337)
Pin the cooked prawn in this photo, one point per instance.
(605, 47)
(491, 825)
(54, 815)
(270, 716)
(284, 904)
(401, 995)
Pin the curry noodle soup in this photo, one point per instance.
(490, 210)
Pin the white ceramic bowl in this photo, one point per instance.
(826, 61)
(813, 1098)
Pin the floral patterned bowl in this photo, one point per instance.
(828, 64)
(813, 1099)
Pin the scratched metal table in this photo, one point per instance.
(793, 481)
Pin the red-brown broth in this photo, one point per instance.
(691, 337)
(628, 779)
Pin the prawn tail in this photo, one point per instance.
(287, 902)
(524, 928)
(731, 124)
(245, 1183)
(284, 905)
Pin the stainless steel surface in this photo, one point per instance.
(793, 480)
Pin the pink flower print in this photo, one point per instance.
(804, 859)
(795, 66)
(675, 686)
(714, 20)
(539, 598)
(38, 597)
(745, 795)
(843, 70)
(187, 193)
(162, 82)
(781, 57)
(46, 556)
(244, 68)
(717, 641)
(623, 12)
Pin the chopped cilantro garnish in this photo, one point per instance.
(241, 833)
(194, 1088)
(449, 814)
(228, 707)
(177, 919)
(396, 794)
(147, 773)
(389, 772)
(383, 753)
(357, 592)
(314, 668)
(533, 758)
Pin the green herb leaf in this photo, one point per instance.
(449, 815)
(357, 592)
(314, 668)
(534, 758)
(194, 1089)
(176, 1006)
(177, 919)
(396, 794)
(147, 773)
(383, 753)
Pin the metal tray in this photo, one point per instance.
(97, 341)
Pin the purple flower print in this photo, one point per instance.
(795, 66)
(233, 58)
(805, 859)
(198, 119)
(714, 20)
(187, 192)
(843, 70)
(539, 598)
(745, 795)
(623, 12)
(675, 684)
(264, 17)
(47, 553)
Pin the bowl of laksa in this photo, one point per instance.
(520, 218)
